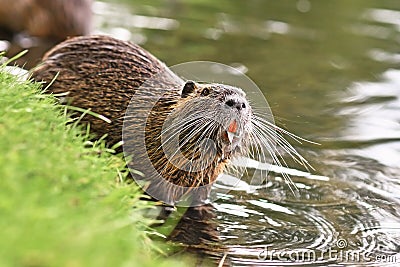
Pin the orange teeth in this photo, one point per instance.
(233, 127)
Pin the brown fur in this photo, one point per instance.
(53, 19)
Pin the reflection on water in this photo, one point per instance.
(329, 69)
(372, 111)
(127, 26)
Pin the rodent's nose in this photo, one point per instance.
(239, 105)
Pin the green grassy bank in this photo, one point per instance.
(62, 199)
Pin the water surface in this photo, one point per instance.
(329, 70)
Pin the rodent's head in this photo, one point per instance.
(214, 114)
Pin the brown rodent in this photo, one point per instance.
(50, 19)
(190, 130)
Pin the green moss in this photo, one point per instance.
(63, 201)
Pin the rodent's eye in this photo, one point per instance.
(205, 92)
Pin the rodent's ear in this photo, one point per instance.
(189, 88)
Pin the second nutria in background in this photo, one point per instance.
(50, 19)
(37, 25)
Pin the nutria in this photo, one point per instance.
(50, 19)
(37, 25)
(190, 130)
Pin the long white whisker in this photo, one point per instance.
(275, 155)
(283, 143)
(279, 129)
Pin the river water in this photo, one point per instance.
(330, 72)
